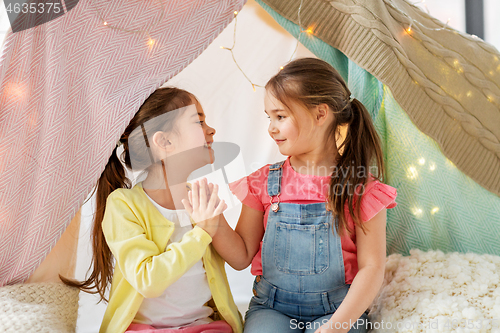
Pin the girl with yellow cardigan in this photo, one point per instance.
(167, 277)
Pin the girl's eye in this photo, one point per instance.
(279, 117)
(200, 122)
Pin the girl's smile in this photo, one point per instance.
(282, 128)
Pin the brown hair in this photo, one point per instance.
(311, 82)
(160, 103)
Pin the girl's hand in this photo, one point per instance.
(204, 206)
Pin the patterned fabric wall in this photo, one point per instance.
(68, 89)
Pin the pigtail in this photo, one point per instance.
(359, 149)
(112, 178)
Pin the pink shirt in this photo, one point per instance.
(306, 189)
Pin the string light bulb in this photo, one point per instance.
(421, 161)
(432, 167)
(417, 211)
(309, 31)
(150, 42)
(434, 210)
(412, 172)
(459, 68)
(14, 91)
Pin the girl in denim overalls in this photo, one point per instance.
(318, 255)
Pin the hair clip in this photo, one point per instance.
(351, 99)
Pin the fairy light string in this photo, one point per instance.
(308, 31)
(415, 31)
(145, 30)
(230, 49)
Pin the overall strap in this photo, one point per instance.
(274, 179)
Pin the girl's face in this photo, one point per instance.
(194, 134)
(191, 140)
(284, 129)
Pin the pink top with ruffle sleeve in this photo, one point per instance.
(304, 189)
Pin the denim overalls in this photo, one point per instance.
(303, 268)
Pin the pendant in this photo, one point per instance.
(275, 207)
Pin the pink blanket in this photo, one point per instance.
(68, 88)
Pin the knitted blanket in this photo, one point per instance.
(38, 307)
(437, 292)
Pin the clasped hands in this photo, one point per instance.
(204, 205)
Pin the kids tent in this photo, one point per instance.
(429, 89)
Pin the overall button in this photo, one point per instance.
(254, 292)
(257, 278)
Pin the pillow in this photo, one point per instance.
(438, 292)
(38, 307)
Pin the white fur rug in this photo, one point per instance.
(437, 292)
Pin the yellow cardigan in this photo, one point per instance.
(137, 234)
